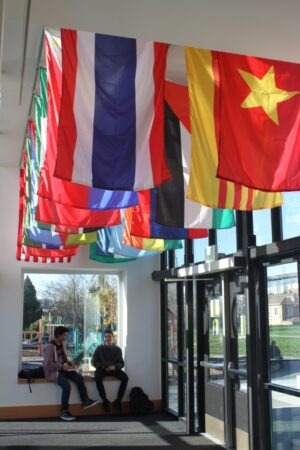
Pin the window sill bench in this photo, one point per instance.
(86, 377)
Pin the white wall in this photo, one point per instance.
(141, 341)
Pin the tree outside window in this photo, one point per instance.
(86, 303)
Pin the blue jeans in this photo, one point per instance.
(64, 383)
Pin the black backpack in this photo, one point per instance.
(139, 402)
(31, 373)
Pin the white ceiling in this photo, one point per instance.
(268, 28)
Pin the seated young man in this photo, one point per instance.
(108, 361)
(60, 370)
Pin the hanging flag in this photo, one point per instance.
(43, 114)
(204, 187)
(38, 149)
(54, 213)
(66, 193)
(104, 246)
(42, 255)
(141, 221)
(33, 236)
(150, 244)
(111, 120)
(173, 206)
(110, 242)
(26, 253)
(259, 121)
(102, 258)
(79, 238)
(72, 230)
(40, 117)
(51, 239)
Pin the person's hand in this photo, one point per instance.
(66, 367)
(73, 366)
(110, 368)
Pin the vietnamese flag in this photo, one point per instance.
(258, 101)
(204, 186)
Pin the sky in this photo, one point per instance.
(39, 280)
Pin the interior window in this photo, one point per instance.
(85, 303)
(262, 226)
(291, 214)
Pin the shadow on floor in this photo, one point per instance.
(155, 431)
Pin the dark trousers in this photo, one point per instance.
(64, 383)
(118, 373)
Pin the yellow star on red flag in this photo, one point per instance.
(265, 93)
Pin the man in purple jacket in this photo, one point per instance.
(108, 361)
(60, 370)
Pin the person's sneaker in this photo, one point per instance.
(117, 405)
(66, 415)
(88, 403)
(106, 406)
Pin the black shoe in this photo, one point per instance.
(117, 405)
(66, 415)
(88, 403)
(106, 406)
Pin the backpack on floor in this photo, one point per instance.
(139, 402)
(31, 373)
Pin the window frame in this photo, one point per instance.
(121, 298)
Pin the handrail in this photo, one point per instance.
(283, 389)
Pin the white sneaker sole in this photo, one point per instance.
(92, 404)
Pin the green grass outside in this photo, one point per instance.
(287, 338)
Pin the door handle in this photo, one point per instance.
(233, 371)
(211, 365)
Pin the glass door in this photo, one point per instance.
(237, 385)
(172, 348)
(225, 368)
(214, 361)
(282, 351)
(175, 349)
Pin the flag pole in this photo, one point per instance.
(33, 92)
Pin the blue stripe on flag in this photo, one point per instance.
(114, 118)
(105, 199)
(163, 231)
(50, 239)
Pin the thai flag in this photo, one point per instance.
(111, 129)
(72, 195)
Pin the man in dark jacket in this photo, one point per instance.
(108, 361)
(60, 370)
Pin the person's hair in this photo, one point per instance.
(108, 330)
(60, 330)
